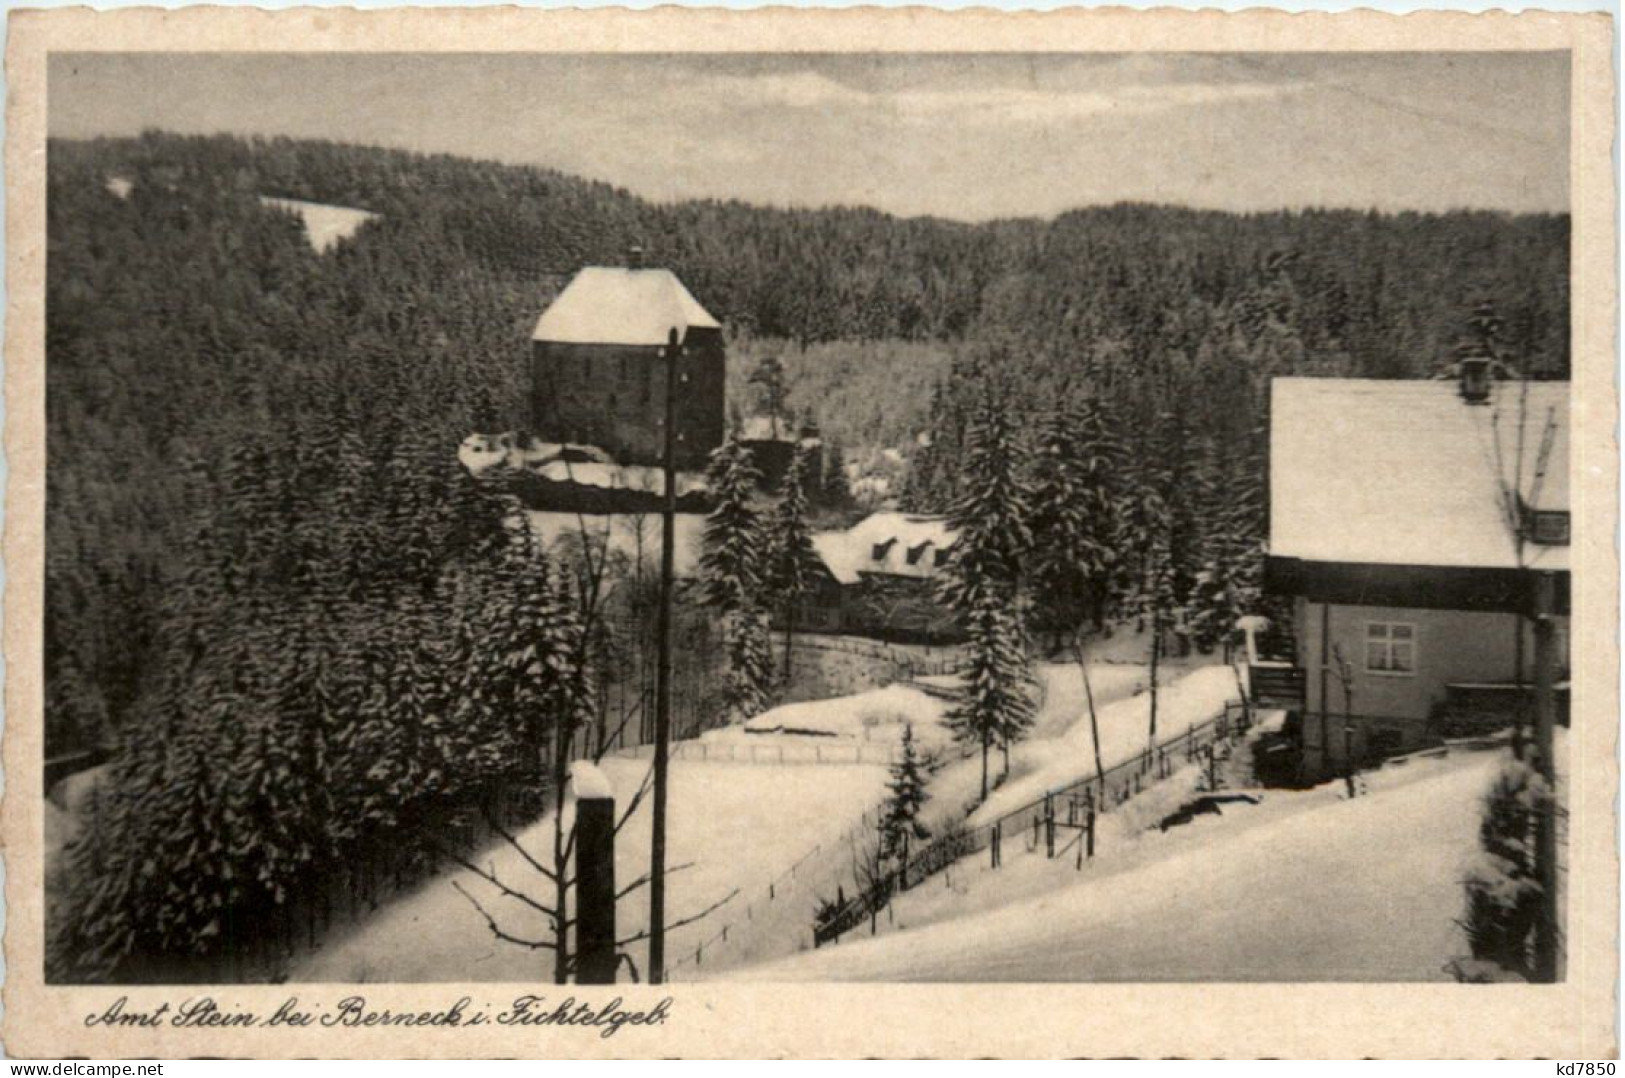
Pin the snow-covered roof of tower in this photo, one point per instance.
(1406, 472)
(896, 544)
(607, 305)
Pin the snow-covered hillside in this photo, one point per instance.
(745, 826)
(734, 825)
(1303, 887)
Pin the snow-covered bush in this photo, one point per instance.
(1502, 884)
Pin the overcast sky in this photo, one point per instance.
(963, 136)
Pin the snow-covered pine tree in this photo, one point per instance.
(982, 584)
(733, 579)
(793, 559)
(1073, 517)
(992, 515)
(750, 664)
(837, 491)
(900, 823)
(996, 705)
(732, 568)
(1229, 491)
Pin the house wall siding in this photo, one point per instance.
(1452, 646)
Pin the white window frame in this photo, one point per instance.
(1387, 639)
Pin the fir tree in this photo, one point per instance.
(750, 663)
(731, 564)
(837, 492)
(733, 578)
(982, 584)
(992, 516)
(900, 825)
(793, 559)
(1073, 517)
(996, 705)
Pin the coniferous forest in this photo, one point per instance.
(304, 632)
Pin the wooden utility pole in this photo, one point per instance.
(668, 528)
(1547, 945)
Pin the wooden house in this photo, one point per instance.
(1409, 524)
(878, 578)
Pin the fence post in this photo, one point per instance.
(1049, 827)
(595, 875)
(1091, 836)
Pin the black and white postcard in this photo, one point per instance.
(686, 533)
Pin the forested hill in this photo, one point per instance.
(195, 339)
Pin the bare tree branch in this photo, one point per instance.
(490, 876)
(514, 842)
(637, 799)
(603, 750)
(535, 945)
(712, 908)
(643, 879)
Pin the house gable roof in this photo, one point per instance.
(606, 305)
(849, 554)
(1364, 471)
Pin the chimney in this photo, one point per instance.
(634, 256)
(1475, 379)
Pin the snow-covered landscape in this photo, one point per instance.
(727, 826)
(1304, 886)
(576, 519)
(728, 823)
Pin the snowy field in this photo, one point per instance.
(743, 825)
(739, 825)
(1304, 887)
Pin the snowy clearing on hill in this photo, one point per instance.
(324, 225)
(1304, 887)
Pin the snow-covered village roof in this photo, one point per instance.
(1406, 472)
(608, 305)
(897, 544)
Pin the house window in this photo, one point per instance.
(1390, 647)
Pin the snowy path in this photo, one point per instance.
(1306, 887)
(740, 825)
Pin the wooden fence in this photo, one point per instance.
(1081, 801)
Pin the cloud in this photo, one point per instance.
(983, 104)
